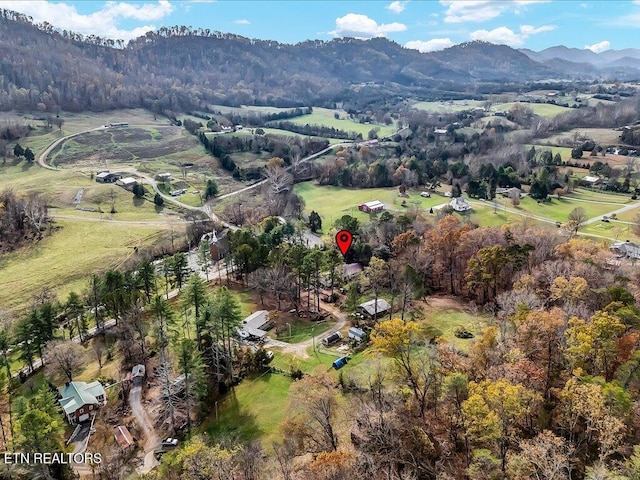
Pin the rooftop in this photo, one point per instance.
(370, 306)
(76, 394)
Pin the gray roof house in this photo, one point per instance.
(625, 250)
(368, 309)
(80, 399)
(255, 325)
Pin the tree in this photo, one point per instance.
(179, 266)
(18, 151)
(550, 456)
(315, 222)
(146, 278)
(138, 190)
(192, 368)
(495, 412)
(195, 294)
(65, 358)
(211, 189)
(158, 200)
(576, 152)
(576, 218)
(28, 155)
(315, 403)
(592, 345)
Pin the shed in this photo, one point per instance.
(339, 363)
(371, 311)
(331, 339)
(356, 334)
(123, 437)
(371, 207)
(127, 182)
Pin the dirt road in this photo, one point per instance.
(152, 441)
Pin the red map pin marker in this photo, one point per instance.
(344, 239)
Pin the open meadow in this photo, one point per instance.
(65, 260)
(541, 109)
(326, 117)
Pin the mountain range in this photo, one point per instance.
(178, 68)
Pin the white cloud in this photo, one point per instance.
(481, 10)
(242, 21)
(397, 6)
(598, 47)
(429, 45)
(103, 22)
(506, 36)
(361, 26)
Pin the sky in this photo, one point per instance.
(423, 25)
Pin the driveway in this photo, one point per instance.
(152, 441)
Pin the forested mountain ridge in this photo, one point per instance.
(180, 68)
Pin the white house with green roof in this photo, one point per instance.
(80, 399)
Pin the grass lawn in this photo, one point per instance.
(447, 320)
(565, 152)
(326, 117)
(255, 409)
(333, 202)
(558, 210)
(486, 215)
(302, 330)
(596, 196)
(65, 260)
(541, 109)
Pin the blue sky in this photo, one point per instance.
(424, 25)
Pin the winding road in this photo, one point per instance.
(149, 180)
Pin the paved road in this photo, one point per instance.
(42, 159)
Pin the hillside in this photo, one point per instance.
(179, 68)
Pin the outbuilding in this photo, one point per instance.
(339, 363)
(331, 339)
(371, 310)
(371, 207)
(356, 334)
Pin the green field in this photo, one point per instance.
(565, 152)
(558, 210)
(333, 202)
(66, 259)
(448, 319)
(326, 117)
(541, 109)
(302, 330)
(596, 196)
(448, 106)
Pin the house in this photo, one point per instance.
(371, 207)
(591, 181)
(509, 192)
(625, 249)
(440, 131)
(351, 270)
(106, 177)
(331, 339)
(127, 182)
(80, 399)
(356, 334)
(164, 177)
(459, 204)
(218, 244)
(123, 437)
(371, 311)
(238, 127)
(255, 325)
(119, 124)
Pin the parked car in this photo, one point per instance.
(425, 194)
(170, 442)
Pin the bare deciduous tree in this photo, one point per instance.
(65, 358)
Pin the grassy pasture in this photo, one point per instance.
(448, 106)
(541, 109)
(326, 117)
(66, 259)
(333, 202)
